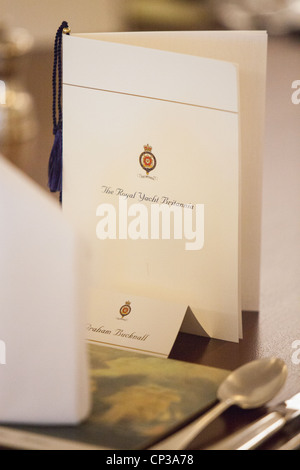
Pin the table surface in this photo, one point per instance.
(272, 331)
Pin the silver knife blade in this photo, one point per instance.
(292, 444)
(255, 434)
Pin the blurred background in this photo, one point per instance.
(27, 30)
(40, 17)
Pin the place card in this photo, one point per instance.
(143, 324)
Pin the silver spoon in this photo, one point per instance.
(250, 386)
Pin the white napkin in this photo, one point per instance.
(45, 376)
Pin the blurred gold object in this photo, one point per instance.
(67, 30)
(168, 14)
(17, 116)
(278, 17)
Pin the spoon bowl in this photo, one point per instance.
(254, 384)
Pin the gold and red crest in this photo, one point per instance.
(147, 159)
(125, 309)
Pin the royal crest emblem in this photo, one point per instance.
(125, 310)
(147, 159)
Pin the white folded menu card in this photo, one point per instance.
(162, 137)
(44, 373)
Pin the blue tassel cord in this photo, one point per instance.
(55, 161)
(55, 164)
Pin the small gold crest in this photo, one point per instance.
(147, 159)
(125, 310)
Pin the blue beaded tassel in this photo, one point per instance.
(55, 161)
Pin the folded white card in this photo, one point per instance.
(247, 49)
(43, 365)
(141, 324)
(152, 173)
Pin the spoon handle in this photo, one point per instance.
(181, 439)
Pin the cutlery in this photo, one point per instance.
(292, 444)
(249, 386)
(255, 434)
